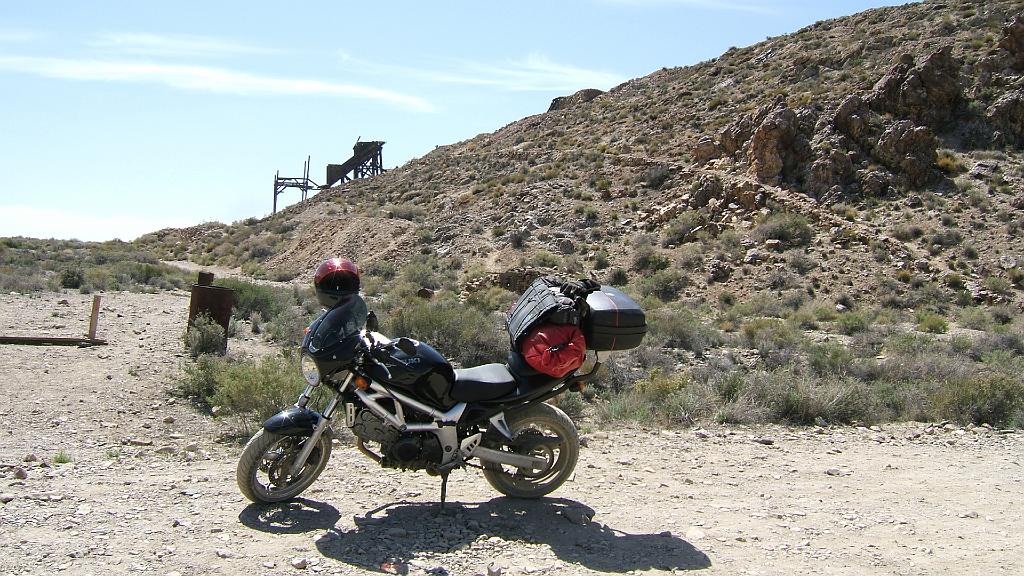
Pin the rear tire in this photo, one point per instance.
(262, 472)
(561, 453)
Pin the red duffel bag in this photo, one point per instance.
(554, 349)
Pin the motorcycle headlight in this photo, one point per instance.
(309, 370)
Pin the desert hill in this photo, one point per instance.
(871, 157)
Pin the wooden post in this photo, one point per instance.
(95, 317)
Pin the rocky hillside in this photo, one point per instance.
(874, 157)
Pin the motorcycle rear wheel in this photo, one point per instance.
(263, 469)
(561, 453)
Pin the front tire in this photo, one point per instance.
(540, 430)
(263, 469)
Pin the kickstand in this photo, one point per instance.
(444, 488)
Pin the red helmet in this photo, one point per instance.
(335, 280)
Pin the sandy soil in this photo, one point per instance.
(150, 490)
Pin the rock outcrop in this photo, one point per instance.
(564, 102)
(929, 93)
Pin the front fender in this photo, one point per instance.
(294, 421)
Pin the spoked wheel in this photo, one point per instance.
(264, 470)
(542, 431)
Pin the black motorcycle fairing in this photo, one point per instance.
(425, 373)
(334, 336)
(294, 421)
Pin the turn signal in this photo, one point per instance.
(361, 382)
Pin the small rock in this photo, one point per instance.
(20, 473)
(137, 442)
(228, 554)
(694, 533)
(833, 472)
(30, 458)
(493, 570)
(5, 498)
(299, 563)
(701, 433)
(971, 514)
(166, 450)
(764, 440)
(168, 419)
(193, 447)
(576, 516)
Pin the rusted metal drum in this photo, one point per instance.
(214, 301)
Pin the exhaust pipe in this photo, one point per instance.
(518, 460)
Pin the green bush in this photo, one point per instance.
(853, 322)
(204, 336)
(72, 277)
(682, 329)
(931, 322)
(996, 399)
(664, 284)
(792, 230)
(461, 333)
(250, 297)
(248, 389)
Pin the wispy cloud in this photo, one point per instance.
(754, 6)
(535, 73)
(201, 79)
(144, 44)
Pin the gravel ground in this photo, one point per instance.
(150, 490)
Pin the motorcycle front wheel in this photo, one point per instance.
(543, 431)
(264, 469)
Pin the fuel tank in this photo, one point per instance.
(414, 368)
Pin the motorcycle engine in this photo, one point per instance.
(408, 451)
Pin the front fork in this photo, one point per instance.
(321, 426)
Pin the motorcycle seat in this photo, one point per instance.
(486, 382)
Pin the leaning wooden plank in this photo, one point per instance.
(51, 340)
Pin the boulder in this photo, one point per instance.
(909, 150)
(929, 93)
(1013, 41)
(706, 187)
(772, 144)
(705, 150)
(1007, 115)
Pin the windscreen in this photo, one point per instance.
(338, 323)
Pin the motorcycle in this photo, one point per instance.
(409, 409)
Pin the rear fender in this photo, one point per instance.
(294, 421)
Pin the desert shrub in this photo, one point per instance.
(250, 297)
(618, 277)
(853, 322)
(572, 404)
(792, 230)
(777, 341)
(678, 230)
(494, 298)
(545, 259)
(406, 211)
(996, 399)
(655, 177)
(931, 322)
(906, 232)
(789, 396)
(800, 261)
(288, 327)
(975, 318)
(683, 329)
(72, 277)
(204, 336)
(664, 284)
(829, 359)
(463, 334)
(647, 259)
(947, 161)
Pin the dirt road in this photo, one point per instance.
(149, 490)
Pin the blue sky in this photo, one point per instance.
(122, 117)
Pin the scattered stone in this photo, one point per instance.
(694, 533)
(168, 419)
(166, 450)
(137, 442)
(193, 447)
(20, 473)
(764, 440)
(971, 514)
(701, 433)
(5, 498)
(227, 554)
(576, 516)
(493, 570)
(833, 471)
(299, 563)
(30, 458)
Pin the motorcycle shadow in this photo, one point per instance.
(401, 531)
(292, 517)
